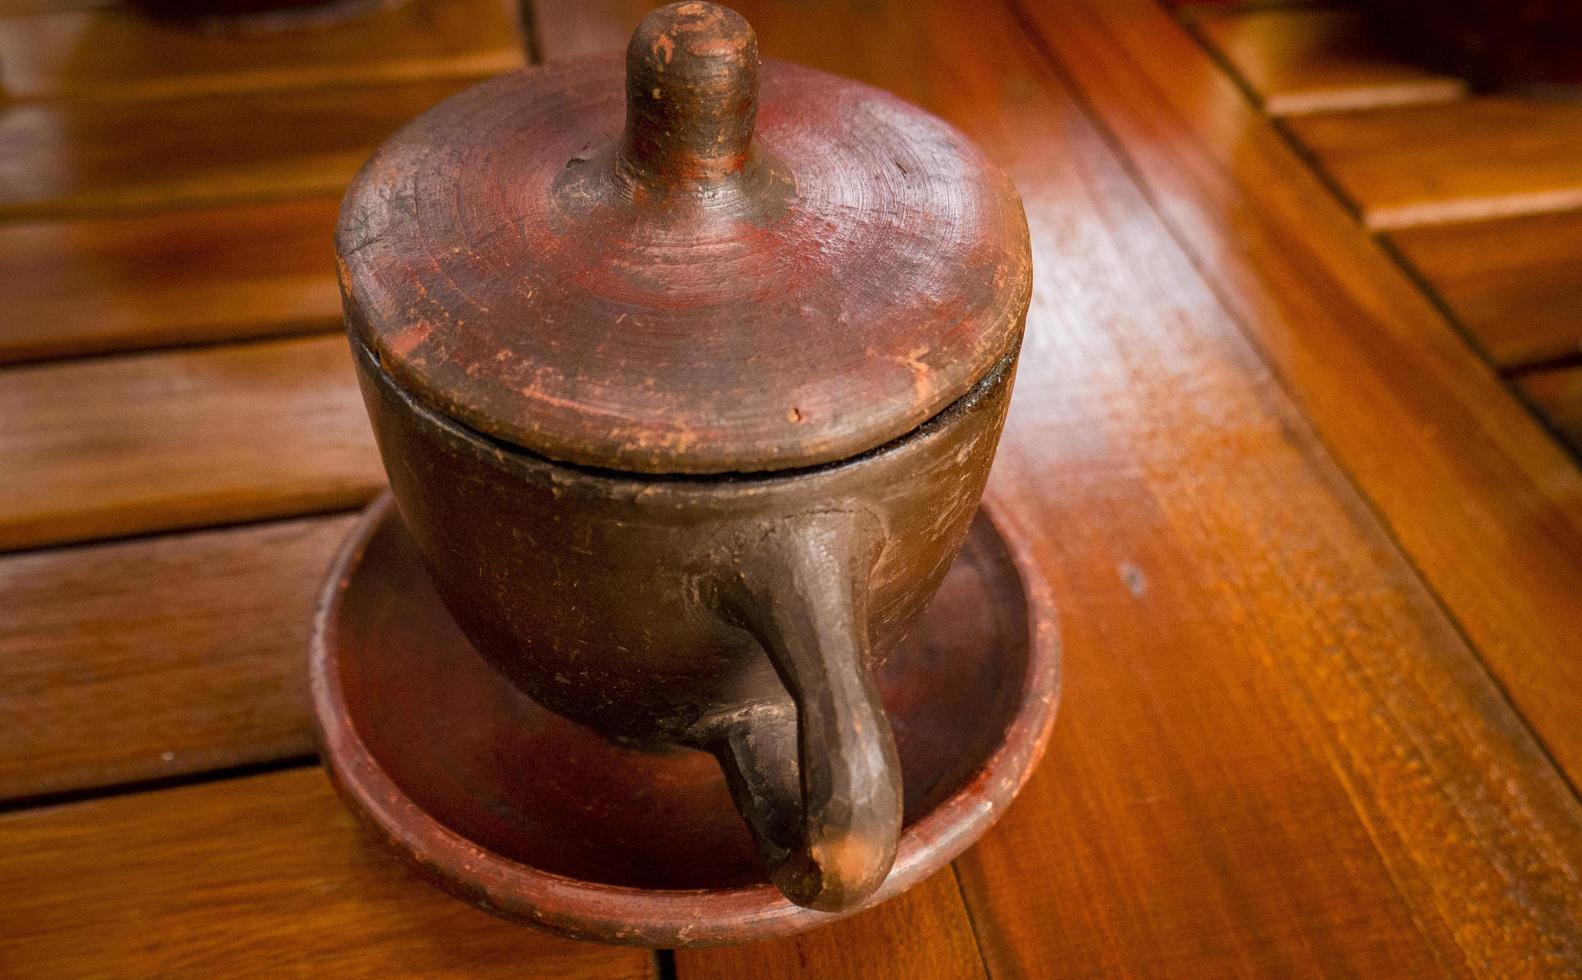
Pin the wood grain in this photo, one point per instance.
(80, 158)
(1485, 158)
(1301, 670)
(262, 876)
(156, 442)
(1314, 60)
(90, 286)
(922, 933)
(1276, 754)
(1514, 284)
(118, 53)
(159, 657)
(1485, 503)
(1557, 395)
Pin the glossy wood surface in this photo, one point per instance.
(1314, 60)
(1514, 284)
(116, 52)
(1488, 157)
(1304, 541)
(154, 658)
(265, 875)
(1476, 492)
(180, 277)
(79, 158)
(179, 439)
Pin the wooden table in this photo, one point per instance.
(1320, 570)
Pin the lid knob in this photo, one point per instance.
(691, 96)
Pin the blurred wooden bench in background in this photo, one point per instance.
(1480, 196)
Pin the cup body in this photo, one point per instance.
(600, 594)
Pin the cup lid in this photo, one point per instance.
(727, 270)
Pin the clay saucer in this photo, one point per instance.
(534, 818)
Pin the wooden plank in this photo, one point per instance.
(1514, 284)
(1313, 60)
(1557, 395)
(156, 442)
(159, 657)
(79, 158)
(1484, 501)
(1248, 630)
(90, 286)
(261, 876)
(922, 933)
(1250, 658)
(925, 932)
(119, 52)
(1485, 158)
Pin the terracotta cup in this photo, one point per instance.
(745, 616)
(743, 612)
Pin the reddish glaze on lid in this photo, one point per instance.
(702, 268)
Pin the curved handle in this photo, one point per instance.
(814, 774)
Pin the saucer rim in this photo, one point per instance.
(654, 917)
